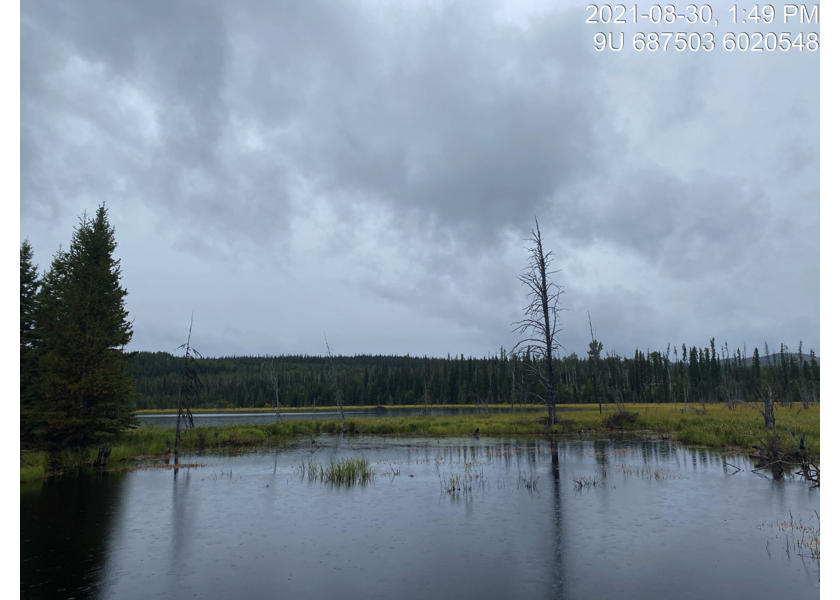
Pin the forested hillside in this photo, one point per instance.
(692, 375)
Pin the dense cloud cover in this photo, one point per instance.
(369, 169)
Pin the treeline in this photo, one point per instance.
(694, 375)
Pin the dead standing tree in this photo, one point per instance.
(274, 377)
(767, 412)
(191, 386)
(594, 364)
(334, 378)
(772, 455)
(426, 411)
(540, 322)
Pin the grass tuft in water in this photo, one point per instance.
(348, 471)
(457, 483)
(528, 480)
(586, 482)
(798, 537)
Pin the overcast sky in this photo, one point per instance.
(369, 170)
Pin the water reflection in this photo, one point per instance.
(558, 570)
(662, 520)
(65, 527)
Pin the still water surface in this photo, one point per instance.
(251, 526)
(228, 418)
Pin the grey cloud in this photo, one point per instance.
(434, 126)
(430, 133)
(688, 227)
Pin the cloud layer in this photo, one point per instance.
(369, 169)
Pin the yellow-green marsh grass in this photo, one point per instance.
(738, 428)
(325, 409)
(33, 466)
(717, 427)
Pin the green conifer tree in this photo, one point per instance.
(694, 372)
(85, 391)
(755, 374)
(29, 285)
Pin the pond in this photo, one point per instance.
(443, 518)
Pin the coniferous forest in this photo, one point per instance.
(689, 375)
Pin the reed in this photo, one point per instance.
(343, 472)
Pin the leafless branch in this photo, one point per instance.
(191, 386)
(334, 378)
(540, 317)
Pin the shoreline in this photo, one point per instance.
(715, 427)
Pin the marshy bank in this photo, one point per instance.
(715, 426)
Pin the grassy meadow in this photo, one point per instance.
(734, 430)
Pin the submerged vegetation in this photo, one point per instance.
(799, 537)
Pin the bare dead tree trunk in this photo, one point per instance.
(594, 353)
(804, 393)
(769, 415)
(426, 410)
(102, 457)
(540, 322)
(513, 385)
(334, 378)
(766, 412)
(191, 385)
(668, 372)
(274, 378)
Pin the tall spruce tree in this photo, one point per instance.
(28, 335)
(694, 372)
(85, 393)
(755, 374)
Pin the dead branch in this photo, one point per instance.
(274, 379)
(733, 466)
(191, 386)
(540, 318)
(334, 379)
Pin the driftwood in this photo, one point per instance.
(811, 473)
(774, 458)
(737, 469)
